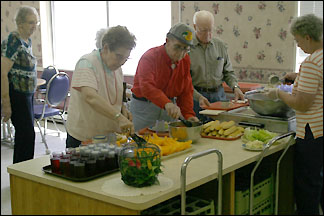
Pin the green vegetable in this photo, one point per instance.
(257, 134)
(142, 170)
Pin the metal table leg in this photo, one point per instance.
(183, 178)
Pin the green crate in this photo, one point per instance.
(262, 208)
(194, 206)
(262, 191)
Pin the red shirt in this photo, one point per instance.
(157, 81)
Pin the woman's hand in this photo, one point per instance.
(126, 126)
(126, 113)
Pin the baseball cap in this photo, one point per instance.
(183, 33)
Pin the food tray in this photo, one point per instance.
(221, 138)
(219, 106)
(47, 169)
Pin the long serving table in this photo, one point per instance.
(35, 192)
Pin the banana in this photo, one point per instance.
(228, 124)
(236, 133)
(208, 124)
(221, 131)
(230, 130)
(214, 125)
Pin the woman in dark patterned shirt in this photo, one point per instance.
(18, 82)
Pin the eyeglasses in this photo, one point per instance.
(120, 57)
(33, 23)
(204, 30)
(179, 48)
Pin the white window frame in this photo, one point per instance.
(48, 35)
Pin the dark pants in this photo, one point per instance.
(71, 142)
(22, 117)
(212, 97)
(308, 180)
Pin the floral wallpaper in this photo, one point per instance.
(8, 11)
(256, 32)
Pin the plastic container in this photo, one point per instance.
(262, 191)
(194, 206)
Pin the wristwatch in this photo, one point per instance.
(236, 86)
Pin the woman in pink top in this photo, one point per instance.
(96, 106)
(307, 100)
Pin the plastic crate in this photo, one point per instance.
(263, 208)
(194, 206)
(262, 191)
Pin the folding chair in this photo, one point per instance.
(56, 93)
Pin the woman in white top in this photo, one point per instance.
(96, 106)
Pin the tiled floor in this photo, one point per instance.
(55, 143)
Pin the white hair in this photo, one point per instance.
(202, 14)
(99, 37)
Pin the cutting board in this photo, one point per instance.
(210, 112)
(224, 106)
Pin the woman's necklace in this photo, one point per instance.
(115, 89)
(107, 84)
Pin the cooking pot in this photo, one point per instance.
(262, 105)
(182, 133)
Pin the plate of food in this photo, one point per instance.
(253, 145)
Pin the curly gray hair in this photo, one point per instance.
(99, 37)
(23, 12)
(308, 25)
(118, 36)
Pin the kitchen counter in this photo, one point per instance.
(35, 192)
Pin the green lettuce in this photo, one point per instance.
(257, 134)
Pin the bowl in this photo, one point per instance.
(182, 133)
(262, 105)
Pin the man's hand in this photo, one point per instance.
(238, 94)
(203, 101)
(193, 119)
(6, 111)
(272, 93)
(172, 110)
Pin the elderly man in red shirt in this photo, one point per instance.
(162, 84)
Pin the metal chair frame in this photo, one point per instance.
(48, 104)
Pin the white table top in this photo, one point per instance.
(199, 171)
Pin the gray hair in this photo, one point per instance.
(119, 36)
(23, 12)
(308, 25)
(99, 37)
(202, 14)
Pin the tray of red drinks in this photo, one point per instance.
(78, 175)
